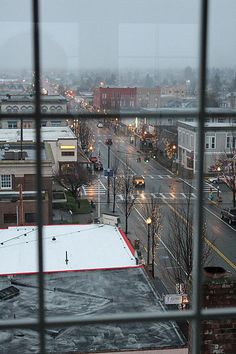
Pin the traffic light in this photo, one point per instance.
(146, 159)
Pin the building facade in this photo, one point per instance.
(25, 104)
(115, 98)
(219, 140)
(18, 178)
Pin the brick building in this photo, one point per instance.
(148, 97)
(219, 290)
(20, 174)
(115, 98)
(18, 168)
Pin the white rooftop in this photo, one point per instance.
(209, 124)
(47, 134)
(86, 247)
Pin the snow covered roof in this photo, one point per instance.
(66, 248)
(47, 134)
(117, 291)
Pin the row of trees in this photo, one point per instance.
(177, 225)
(178, 235)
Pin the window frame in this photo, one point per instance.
(9, 187)
(196, 314)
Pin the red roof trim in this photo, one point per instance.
(126, 240)
(73, 270)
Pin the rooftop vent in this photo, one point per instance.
(8, 293)
(15, 155)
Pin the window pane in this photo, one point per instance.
(16, 57)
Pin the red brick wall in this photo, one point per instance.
(218, 336)
(115, 97)
(30, 206)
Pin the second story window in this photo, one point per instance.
(210, 142)
(6, 182)
(230, 142)
(12, 124)
(67, 153)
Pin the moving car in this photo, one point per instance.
(228, 214)
(138, 181)
(100, 125)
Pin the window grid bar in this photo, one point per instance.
(197, 241)
(36, 53)
(68, 321)
(92, 115)
(196, 315)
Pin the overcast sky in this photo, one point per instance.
(108, 34)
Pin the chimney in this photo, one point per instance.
(218, 290)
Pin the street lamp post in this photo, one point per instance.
(153, 253)
(108, 143)
(114, 193)
(148, 222)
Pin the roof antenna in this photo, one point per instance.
(66, 260)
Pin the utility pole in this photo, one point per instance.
(114, 193)
(153, 253)
(21, 220)
(148, 222)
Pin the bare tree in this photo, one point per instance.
(72, 178)
(227, 168)
(85, 134)
(115, 167)
(126, 188)
(180, 246)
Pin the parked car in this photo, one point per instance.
(93, 159)
(217, 180)
(228, 214)
(138, 181)
(100, 125)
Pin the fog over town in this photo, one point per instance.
(78, 35)
(117, 177)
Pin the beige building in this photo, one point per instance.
(25, 104)
(148, 97)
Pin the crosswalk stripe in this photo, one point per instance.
(153, 195)
(151, 177)
(184, 195)
(173, 195)
(163, 196)
(168, 176)
(96, 188)
(160, 176)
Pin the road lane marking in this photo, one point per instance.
(210, 244)
(228, 261)
(184, 195)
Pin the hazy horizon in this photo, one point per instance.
(109, 35)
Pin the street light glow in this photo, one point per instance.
(148, 221)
